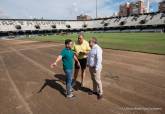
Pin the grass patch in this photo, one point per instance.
(140, 42)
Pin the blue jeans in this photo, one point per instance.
(69, 76)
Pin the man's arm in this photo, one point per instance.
(98, 58)
(59, 58)
(76, 59)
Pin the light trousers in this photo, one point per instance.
(96, 78)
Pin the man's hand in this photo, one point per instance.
(78, 64)
(82, 53)
(76, 54)
(53, 65)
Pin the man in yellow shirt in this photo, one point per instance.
(81, 49)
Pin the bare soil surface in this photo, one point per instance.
(133, 83)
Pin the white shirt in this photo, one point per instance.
(95, 57)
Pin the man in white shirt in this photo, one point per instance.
(94, 62)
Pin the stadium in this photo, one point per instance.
(133, 75)
(149, 22)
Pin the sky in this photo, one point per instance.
(61, 9)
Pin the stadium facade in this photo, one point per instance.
(149, 22)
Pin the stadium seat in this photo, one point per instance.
(150, 19)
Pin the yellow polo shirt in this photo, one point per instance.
(84, 47)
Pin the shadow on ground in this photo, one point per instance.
(54, 83)
(77, 86)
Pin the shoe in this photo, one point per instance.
(70, 96)
(99, 97)
(72, 90)
(92, 92)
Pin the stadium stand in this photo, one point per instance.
(149, 22)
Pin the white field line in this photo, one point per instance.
(32, 61)
(23, 101)
(31, 48)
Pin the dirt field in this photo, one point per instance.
(134, 83)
